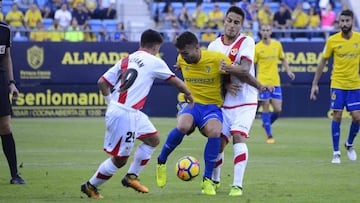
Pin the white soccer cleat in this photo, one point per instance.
(350, 152)
(336, 158)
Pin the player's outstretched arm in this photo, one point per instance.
(314, 87)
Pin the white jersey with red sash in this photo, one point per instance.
(243, 48)
(148, 68)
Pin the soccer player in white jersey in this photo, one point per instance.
(125, 87)
(239, 108)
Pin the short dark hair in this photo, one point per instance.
(237, 10)
(347, 12)
(186, 38)
(150, 37)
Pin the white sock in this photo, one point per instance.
(217, 170)
(105, 171)
(240, 162)
(141, 157)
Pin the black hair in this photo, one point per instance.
(186, 38)
(149, 38)
(237, 10)
(347, 12)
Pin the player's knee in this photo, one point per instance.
(185, 129)
(119, 161)
(5, 128)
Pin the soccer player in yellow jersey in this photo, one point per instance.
(344, 46)
(268, 52)
(202, 75)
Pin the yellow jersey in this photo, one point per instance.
(15, 18)
(32, 17)
(267, 58)
(345, 73)
(204, 79)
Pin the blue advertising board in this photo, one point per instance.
(59, 79)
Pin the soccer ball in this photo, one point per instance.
(187, 168)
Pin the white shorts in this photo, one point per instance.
(238, 120)
(123, 126)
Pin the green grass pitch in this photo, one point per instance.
(57, 155)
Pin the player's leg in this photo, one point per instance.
(117, 123)
(211, 126)
(276, 102)
(337, 103)
(353, 97)
(185, 124)
(264, 98)
(7, 139)
(240, 132)
(147, 133)
(216, 175)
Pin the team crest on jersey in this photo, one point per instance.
(2, 49)
(35, 57)
(186, 68)
(356, 45)
(207, 69)
(234, 51)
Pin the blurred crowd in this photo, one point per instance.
(290, 18)
(69, 20)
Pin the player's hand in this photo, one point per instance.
(224, 67)
(233, 88)
(291, 75)
(264, 88)
(177, 67)
(190, 99)
(14, 91)
(314, 92)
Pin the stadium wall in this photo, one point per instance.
(59, 79)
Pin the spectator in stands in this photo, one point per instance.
(80, 13)
(25, 5)
(120, 34)
(200, 18)
(56, 32)
(168, 16)
(328, 16)
(314, 22)
(250, 14)
(300, 20)
(216, 18)
(63, 15)
(208, 35)
(109, 12)
(282, 21)
(265, 15)
(46, 11)
(74, 33)
(33, 16)
(184, 18)
(15, 18)
(89, 35)
(103, 7)
(73, 4)
(92, 7)
(103, 36)
(39, 34)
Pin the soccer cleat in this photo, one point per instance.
(350, 152)
(91, 191)
(161, 175)
(17, 180)
(270, 140)
(131, 180)
(235, 191)
(336, 158)
(208, 187)
(216, 185)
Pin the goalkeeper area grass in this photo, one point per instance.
(56, 155)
